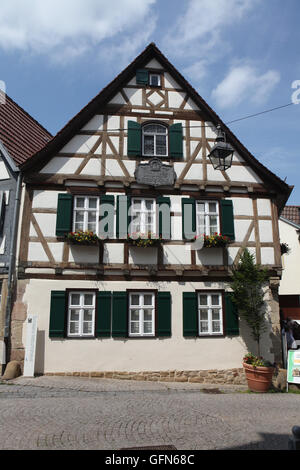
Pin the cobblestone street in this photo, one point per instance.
(77, 413)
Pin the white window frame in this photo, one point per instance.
(141, 307)
(154, 137)
(209, 307)
(153, 74)
(207, 215)
(81, 307)
(86, 210)
(143, 214)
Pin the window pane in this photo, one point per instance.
(216, 327)
(74, 314)
(149, 205)
(135, 315)
(203, 299)
(75, 299)
(215, 314)
(148, 315)
(87, 328)
(203, 314)
(92, 203)
(148, 299)
(88, 299)
(79, 216)
(203, 327)
(74, 328)
(201, 207)
(212, 207)
(88, 315)
(134, 327)
(148, 145)
(135, 299)
(161, 145)
(147, 327)
(80, 202)
(215, 300)
(137, 204)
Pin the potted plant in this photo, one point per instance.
(247, 283)
(143, 240)
(81, 237)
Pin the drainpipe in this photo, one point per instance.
(12, 266)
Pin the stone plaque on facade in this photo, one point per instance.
(155, 173)
(29, 360)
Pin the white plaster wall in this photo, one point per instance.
(243, 174)
(4, 175)
(290, 281)
(242, 206)
(175, 98)
(113, 253)
(95, 124)
(135, 96)
(63, 165)
(176, 254)
(177, 352)
(142, 255)
(264, 207)
(265, 231)
(45, 199)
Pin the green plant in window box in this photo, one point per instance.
(216, 240)
(81, 237)
(144, 240)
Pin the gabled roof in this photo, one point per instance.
(74, 125)
(20, 134)
(291, 213)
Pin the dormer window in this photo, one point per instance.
(155, 140)
(154, 79)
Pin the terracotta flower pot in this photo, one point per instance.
(259, 378)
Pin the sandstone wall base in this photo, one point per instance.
(228, 376)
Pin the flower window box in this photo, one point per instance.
(83, 238)
(143, 240)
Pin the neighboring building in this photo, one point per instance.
(289, 290)
(117, 308)
(20, 137)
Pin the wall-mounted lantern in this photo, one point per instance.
(222, 152)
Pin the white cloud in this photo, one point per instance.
(68, 27)
(244, 82)
(200, 29)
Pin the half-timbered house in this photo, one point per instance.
(134, 161)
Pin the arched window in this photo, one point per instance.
(155, 142)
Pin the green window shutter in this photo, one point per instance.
(231, 317)
(164, 217)
(64, 214)
(176, 141)
(122, 216)
(142, 77)
(190, 314)
(57, 314)
(134, 139)
(107, 231)
(163, 327)
(103, 316)
(227, 218)
(188, 206)
(119, 315)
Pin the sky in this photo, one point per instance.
(242, 56)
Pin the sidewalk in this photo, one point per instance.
(106, 385)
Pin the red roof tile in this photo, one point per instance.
(291, 213)
(21, 135)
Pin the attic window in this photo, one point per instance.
(154, 79)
